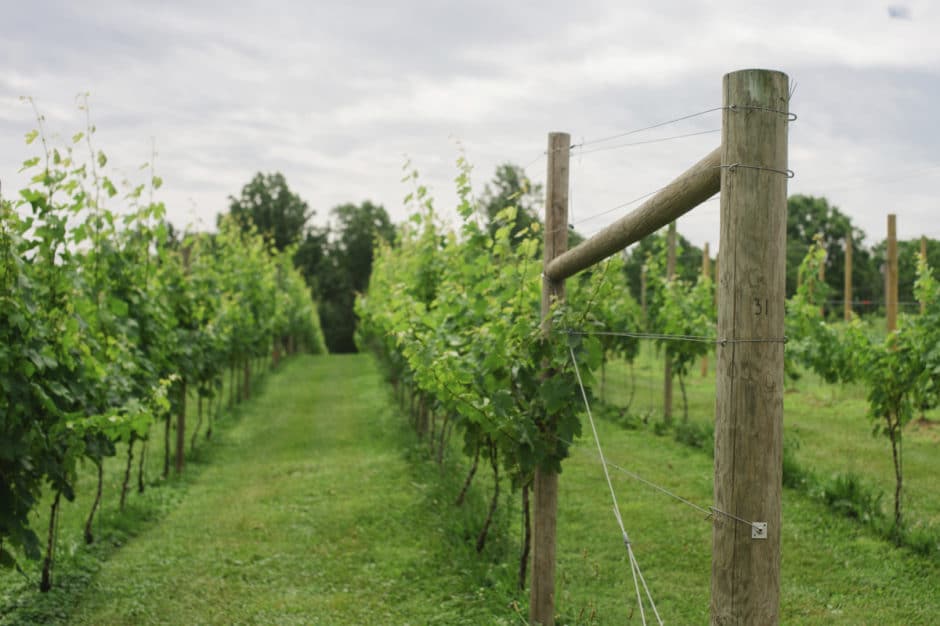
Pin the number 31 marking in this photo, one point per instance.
(761, 307)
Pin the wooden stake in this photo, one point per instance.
(923, 257)
(717, 290)
(891, 275)
(181, 418)
(745, 584)
(847, 295)
(181, 431)
(667, 367)
(706, 271)
(545, 484)
(822, 284)
(643, 294)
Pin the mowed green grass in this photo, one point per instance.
(309, 514)
(828, 423)
(834, 571)
(318, 506)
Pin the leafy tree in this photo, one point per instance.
(809, 216)
(511, 187)
(278, 213)
(357, 227)
(311, 253)
(343, 266)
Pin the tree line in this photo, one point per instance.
(336, 259)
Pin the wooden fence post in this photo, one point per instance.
(847, 294)
(545, 483)
(643, 294)
(717, 290)
(822, 284)
(923, 257)
(706, 271)
(745, 584)
(667, 367)
(891, 275)
(180, 460)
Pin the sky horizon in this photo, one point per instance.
(338, 97)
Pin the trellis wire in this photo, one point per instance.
(709, 512)
(733, 107)
(581, 151)
(634, 564)
(720, 341)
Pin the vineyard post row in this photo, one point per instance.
(923, 257)
(891, 275)
(890, 271)
(847, 292)
(750, 169)
(667, 361)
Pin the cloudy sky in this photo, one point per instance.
(336, 95)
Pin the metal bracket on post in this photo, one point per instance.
(758, 530)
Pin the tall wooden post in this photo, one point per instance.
(717, 290)
(822, 283)
(706, 271)
(667, 367)
(923, 257)
(745, 584)
(847, 294)
(545, 485)
(181, 417)
(891, 275)
(643, 294)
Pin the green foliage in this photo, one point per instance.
(102, 316)
(812, 219)
(341, 266)
(809, 218)
(268, 205)
(455, 317)
(372, 515)
(908, 259)
(696, 435)
(848, 495)
(795, 476)
(384, 520)
(679, 308)
(900, 371)
(511, 187)
(689, 259)
(603, 292)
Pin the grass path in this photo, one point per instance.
(318, 507)
(306, 516)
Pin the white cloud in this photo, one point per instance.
(335, 94)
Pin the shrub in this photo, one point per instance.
(849, 495)
(699, 435)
